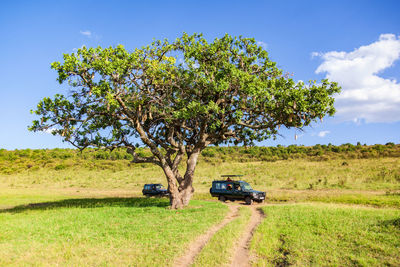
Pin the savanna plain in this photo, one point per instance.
(326, 206)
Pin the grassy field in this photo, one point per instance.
(69, 208)
(361, 181)
(327, 235)
(106, 232)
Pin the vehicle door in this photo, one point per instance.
(229, 190)
(221, 189)
(217, 188)
(237, 191)
(154, 189)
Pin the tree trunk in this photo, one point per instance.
(180, 199)
(181, 195)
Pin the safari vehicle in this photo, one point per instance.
(235, 190)
(154, 190)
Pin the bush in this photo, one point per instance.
(60, 167)
(208, 153)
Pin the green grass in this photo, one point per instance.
(219, 250)
(360, 174)
(16, 161)
(87, 211)
(110, 231)
(361, 181)
(300, 174)
(383, 200)
(353, 197)
(296, 167)
(13, 197)
(327, 235)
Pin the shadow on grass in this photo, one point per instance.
(394, 222)
(91, 203)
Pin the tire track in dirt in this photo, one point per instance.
(241, 255)
(197, 245)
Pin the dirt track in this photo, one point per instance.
(241, 250)
(196, 246)
(241, 255)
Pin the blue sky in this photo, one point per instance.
(356, 43)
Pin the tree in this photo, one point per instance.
(176, 98)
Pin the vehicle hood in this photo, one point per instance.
(255, 191)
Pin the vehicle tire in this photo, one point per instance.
(147, 196)
(248, 200)
(222, 198)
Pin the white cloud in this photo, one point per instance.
(262, 44)
(323, 133)
(316, 54)
(86, 33)
(365, 95)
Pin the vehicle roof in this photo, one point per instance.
(225, 181)
(153, 184)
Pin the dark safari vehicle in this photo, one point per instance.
(235, 190)
(154, 190)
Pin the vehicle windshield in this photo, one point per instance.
(246, 186)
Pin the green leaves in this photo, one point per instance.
(185, 92)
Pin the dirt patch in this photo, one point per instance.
(196, 246)
(241, 254)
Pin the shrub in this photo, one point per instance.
(208, 153)
(60, 167)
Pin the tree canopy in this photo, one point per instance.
(178, 97)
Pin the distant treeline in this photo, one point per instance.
(14, 161)
(316, 152)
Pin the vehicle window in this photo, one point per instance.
(246, 186)
(146, 187)
(217, 186)
(223, 186)
(229, 186)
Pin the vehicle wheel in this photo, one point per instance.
(222, 198)
(248, 200)
(147, 196)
